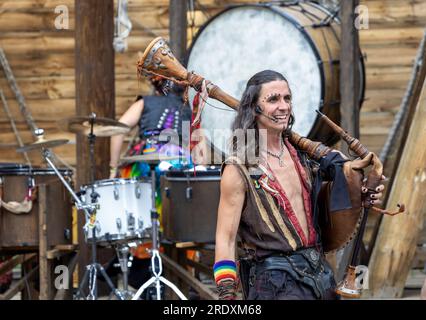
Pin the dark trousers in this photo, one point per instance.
(303, 275)
(280, 285)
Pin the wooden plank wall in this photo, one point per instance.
(42, 59)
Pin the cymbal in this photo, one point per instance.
(150, 158)
(102, 127)
(42, 143)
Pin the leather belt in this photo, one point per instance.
(305, 265)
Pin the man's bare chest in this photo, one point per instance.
(288, 178)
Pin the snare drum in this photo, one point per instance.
(123, 209)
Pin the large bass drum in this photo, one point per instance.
(300, 40)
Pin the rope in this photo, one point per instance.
(402, 114)
(17, 207)
(13, 125)
(14, 86)
(65, 163)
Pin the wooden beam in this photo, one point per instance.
(349, 95)
(203, 290)
(184, 245)
(200, 267)
(13, 262)
(397, 239)
(44, 263)
(392, 150)
(349, 68)
(177, 28)
(94, 84)
(15, 288)
(60, 250)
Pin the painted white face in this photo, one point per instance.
(275, 104)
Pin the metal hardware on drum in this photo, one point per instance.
(151, 158)
(156, 263)
(190, 203)
(122, 209)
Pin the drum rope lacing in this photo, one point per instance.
(122, 20)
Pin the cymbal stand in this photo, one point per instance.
(92, 269)
(90, 212)
(156, 263)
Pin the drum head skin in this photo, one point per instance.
(8, 168)
(243, 41)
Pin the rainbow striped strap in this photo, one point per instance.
(225, 269)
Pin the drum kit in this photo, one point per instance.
(119, 212)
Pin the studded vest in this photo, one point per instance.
(162, 112)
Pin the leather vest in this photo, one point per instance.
(266, 227)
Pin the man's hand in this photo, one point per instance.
(377, 195)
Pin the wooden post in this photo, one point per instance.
(177, 28)
(44, 263)
(349, 93)
(392, 150)
(349, 69)
(94, 82)
(397, 239)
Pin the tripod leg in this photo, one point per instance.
(109, 282)
(123, 258)
(82, 283)
(141, 289)
(173, 287)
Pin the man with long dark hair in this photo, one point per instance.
(269, 201)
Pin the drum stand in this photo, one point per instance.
(90, 211)
(123, 251)
(92, 268)
(156, 263)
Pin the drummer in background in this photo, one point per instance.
(165, 109)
